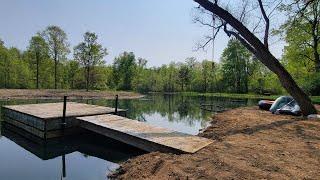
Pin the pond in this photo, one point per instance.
(91, 156)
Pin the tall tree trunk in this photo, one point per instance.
(5, 79)
(316, 54)
(237, 74)
(88, 78)
(37, 57)
(7, 73)
(205, 83)
(246, 82)
(55, 70)
(246, 77)
(253, 44)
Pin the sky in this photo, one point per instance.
(159, 31)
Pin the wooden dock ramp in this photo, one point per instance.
(143, 135)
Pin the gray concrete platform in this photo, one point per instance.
(143, 135)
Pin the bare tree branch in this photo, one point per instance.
(243, 41)
(200, 21)
(267, 21)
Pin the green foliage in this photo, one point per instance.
(89, 54)
(56, 39)
(13, 69)
(72, 73)
(130, 73)
(236, 66)
(124, 68)
(311, 85)
(140, 82)
(184, 76)
(38, 52)
(301, 54)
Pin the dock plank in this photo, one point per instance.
(131, 132)
(54, 110)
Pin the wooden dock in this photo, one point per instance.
(45, 121)
(143, 135)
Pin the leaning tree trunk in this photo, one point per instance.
(253, 44)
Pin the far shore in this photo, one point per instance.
(60, 93)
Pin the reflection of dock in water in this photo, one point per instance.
(86, 143)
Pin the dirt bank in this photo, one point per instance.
(58, 94)
(249, 144)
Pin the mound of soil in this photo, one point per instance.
(249, 144)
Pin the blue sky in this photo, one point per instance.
(160, 31)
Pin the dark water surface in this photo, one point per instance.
(91, 156)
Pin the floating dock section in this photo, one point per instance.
(143, 135)
(45, 121)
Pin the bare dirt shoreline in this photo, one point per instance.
(249, 144)
(58, 94)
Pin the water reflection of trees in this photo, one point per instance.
(176, 108)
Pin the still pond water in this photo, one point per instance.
(91, 156)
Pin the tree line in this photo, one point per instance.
(44, 64)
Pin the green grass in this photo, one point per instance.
(315, 99)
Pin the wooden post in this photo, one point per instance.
(63, 124)
(64, 112)
(116, 105)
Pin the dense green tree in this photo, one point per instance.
(56, 39)
(184, 76)
(13, 69)
(302, 32)
(38, 50)
(4, 65)
(89, 54)
(124, 68)
(235, 67)
(209, 76)
(73, 68)
(140, 83)
(170, 77)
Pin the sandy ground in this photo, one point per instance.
(58, 94)
(249, 144)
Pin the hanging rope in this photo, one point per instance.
(213, 40)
